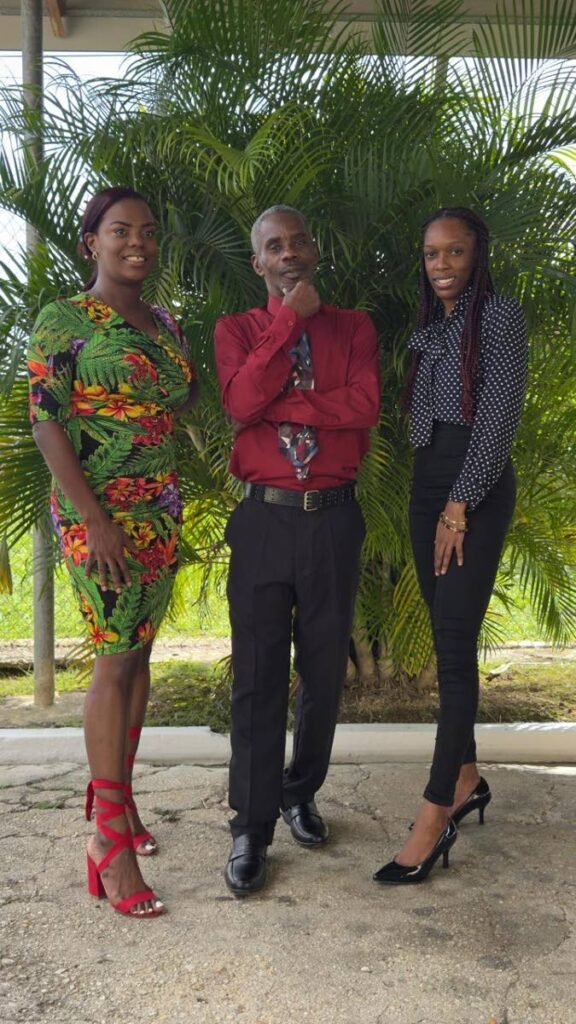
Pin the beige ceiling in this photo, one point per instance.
(94, 25)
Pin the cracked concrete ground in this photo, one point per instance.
(491, 941)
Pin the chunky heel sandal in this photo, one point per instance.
(143, 842)
(95, 884)
(105, 810)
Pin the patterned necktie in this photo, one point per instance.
(299, 443)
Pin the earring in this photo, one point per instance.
(94, 255)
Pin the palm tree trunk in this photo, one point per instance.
(387, 668)
(367, 667)
(426, 681)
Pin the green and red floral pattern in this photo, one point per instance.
(114, 390)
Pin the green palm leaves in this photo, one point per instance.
(243, 103)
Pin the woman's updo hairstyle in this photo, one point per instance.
(93, 214)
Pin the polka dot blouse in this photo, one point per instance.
(499, 389)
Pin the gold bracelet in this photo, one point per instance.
(458, 524)
(453, 524)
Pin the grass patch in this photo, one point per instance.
(526, 693)
(192, 693)
(189, 694)
(182, 693)
(21, 684)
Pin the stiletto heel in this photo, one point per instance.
(105, 810)
(145, 838)
(478, 800)
(402, 874)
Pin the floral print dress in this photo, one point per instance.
(114, 390)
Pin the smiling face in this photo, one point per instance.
(125, 243)
(286, 252)
(449, 252)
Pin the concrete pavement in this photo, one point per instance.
(491, 940)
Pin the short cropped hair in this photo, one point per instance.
(271, 212)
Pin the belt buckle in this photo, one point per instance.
(309, 495)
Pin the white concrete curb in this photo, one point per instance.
(512, 743)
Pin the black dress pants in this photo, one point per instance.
(458, 600)
(293, 576)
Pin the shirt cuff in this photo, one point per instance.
(462, 493)
(286, 327)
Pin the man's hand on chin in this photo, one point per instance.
(302, 298)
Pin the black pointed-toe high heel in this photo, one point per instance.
(477, 801)
(402, 874)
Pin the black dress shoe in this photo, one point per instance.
(306, 825)
(246, 868)
(402, 874)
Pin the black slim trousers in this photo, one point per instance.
(458, 600)
(293, 576)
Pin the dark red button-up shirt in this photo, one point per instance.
(254, 364)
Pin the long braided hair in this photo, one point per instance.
(481, 285)
(93, 214)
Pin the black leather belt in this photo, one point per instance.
(310, 501)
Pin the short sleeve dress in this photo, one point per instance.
(114, 390)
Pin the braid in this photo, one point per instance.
(425, 312)
(481, 284)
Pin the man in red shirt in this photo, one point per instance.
(300, 381)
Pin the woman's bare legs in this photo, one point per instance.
(136, 714)
(106, 716)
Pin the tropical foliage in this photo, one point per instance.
(246, 103)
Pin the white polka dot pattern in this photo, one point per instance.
(499, 389)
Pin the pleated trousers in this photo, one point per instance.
(293, 578)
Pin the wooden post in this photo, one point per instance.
(43, 566)
(43, 616)
(55, 10)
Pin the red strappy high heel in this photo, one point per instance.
(145, 837)
(106, 809)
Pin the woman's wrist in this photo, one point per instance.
(455, 509)
(96, 514)
(454, 516)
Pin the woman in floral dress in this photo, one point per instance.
(107, 375)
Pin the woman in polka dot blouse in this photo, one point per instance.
(464, 394)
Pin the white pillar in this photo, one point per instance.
(43, 565)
